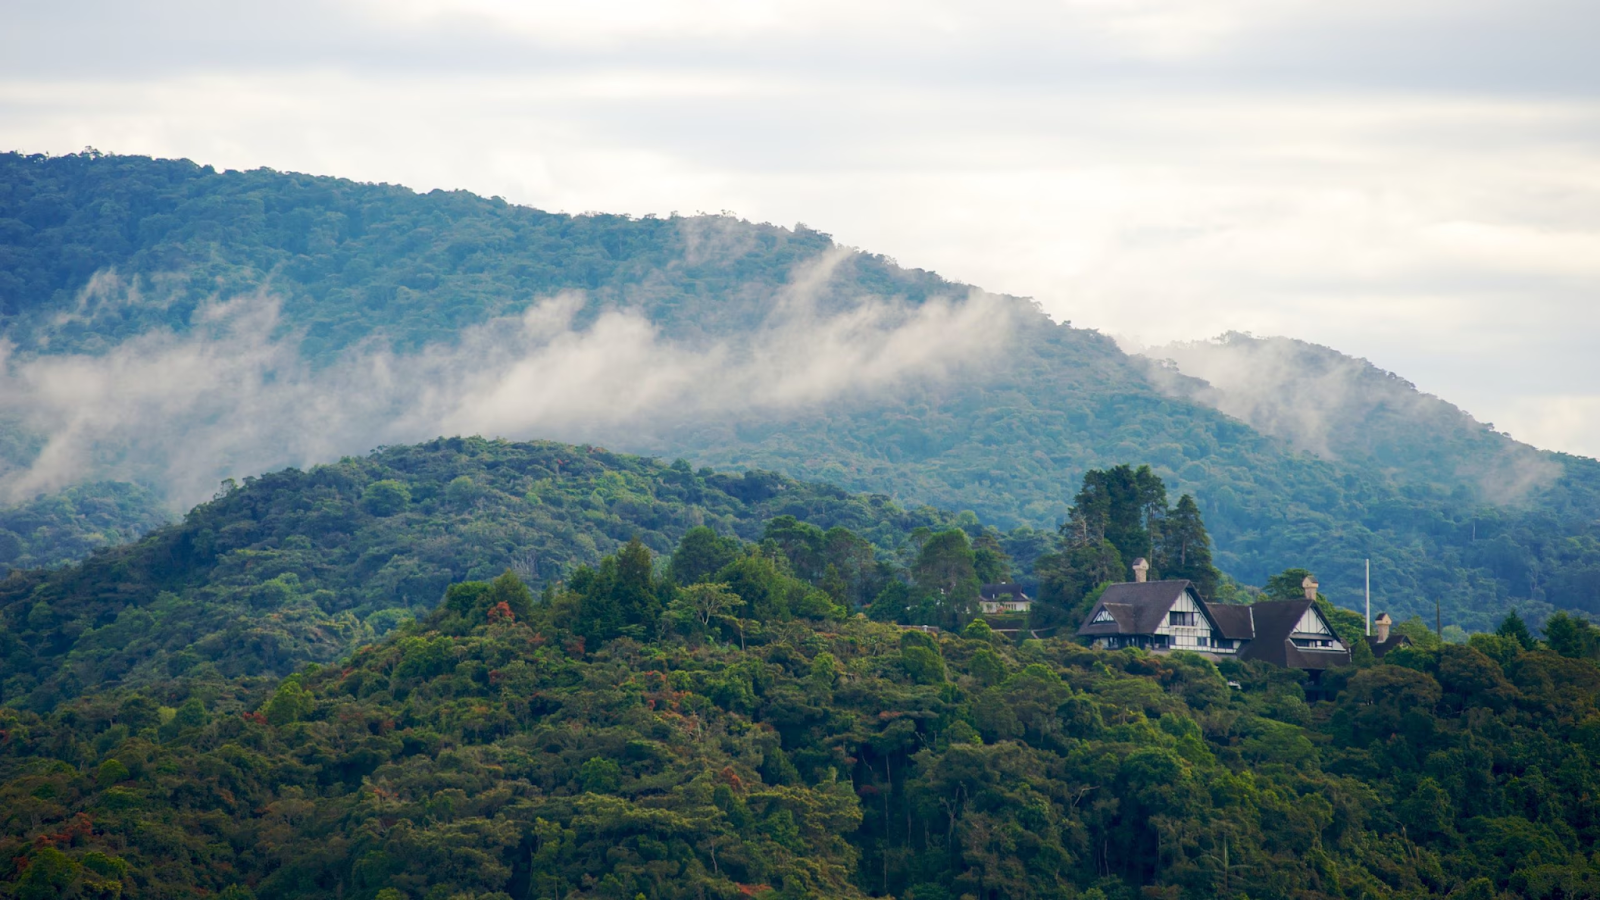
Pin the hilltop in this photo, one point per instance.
(303, 566)
(1001, 419)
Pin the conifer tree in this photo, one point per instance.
(1513, 627)
(1184, 548)
(1122, 505)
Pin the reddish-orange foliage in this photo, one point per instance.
(81, 826)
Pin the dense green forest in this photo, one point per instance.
(68, 525)
(1432, 505)
(302, 566)
(719, 725)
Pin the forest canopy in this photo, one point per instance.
(741, 735)
(1428, 502)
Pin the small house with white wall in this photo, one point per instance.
(1004, 598)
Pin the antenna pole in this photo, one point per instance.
(1369, 598)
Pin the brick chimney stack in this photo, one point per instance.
(1141, 570)
(1310, 585)
(1380, 627)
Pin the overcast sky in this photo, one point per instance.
(1417, 183)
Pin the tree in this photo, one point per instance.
(856, 574)
(945, 574)
(702, 605)
(1571, 636)
(48, 875)
(467, 604)
(801, 543)
(510, 590)
(990, 560)
(1122, 505)
(621, 597)
(1287, 585)
(636, 589)
(1183, 548)
(1428, 812)
(922, 662)
(1118, 516)
(1067, 579)
(700, 554)
(386, 497)
(1513, 627)
(289, 703)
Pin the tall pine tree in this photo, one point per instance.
(1122, 505)
(1183, 548)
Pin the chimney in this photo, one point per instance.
(1310, 584)
(1380, 627)
(1141, 569)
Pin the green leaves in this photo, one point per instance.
(600, 776)
(292, 567)
(289, 703)
(923, 664)
(386, 497)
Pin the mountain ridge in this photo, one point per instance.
(1006, 430)
(303, 566)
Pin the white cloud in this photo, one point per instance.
(1562, 420)
(183, 411)
(1414, 183)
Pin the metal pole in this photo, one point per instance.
(1369, 598)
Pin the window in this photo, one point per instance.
(1180, 618)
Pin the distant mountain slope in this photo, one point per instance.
(1002, 417)
(1338, 407)
(301, 566)
(70, 524)
(354, 260)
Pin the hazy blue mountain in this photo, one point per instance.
(1002, 419)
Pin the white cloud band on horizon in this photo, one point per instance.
(1417, 184)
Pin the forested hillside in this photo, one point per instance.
(68, 525)
(1008, 437)
(733, 733)
(299, 566)
(1337, 407)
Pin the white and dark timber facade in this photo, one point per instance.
(1163, 616)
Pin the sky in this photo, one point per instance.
(1413, 182)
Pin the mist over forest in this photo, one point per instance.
(365, 543)
(170, 326)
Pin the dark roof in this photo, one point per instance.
(1275, 621)
(990, 591)
(1233, 620)
(1379, 648)
(1137, 606)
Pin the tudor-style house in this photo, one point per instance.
(1163, 616)
(1383, 639)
